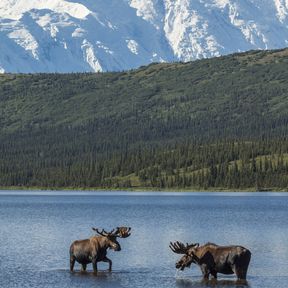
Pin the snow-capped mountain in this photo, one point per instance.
(112, 35)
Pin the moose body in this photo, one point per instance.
(94, 249)
(213, 259)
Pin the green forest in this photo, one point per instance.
(211, 124)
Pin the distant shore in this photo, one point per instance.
(139, 189)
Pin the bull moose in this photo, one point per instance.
(213, 259)
(94, 249)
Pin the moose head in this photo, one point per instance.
(111, 237)
(189, 253)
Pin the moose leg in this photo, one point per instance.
(240, 273)
(242, 266)
(205, 272)
(214, 274)
(84, 266)
(94, 264)
(107, 260)
(72, 263)
(245, 273)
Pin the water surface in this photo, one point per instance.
(37, 229)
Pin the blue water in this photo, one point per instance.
(37, 228)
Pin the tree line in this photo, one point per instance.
(213, 123)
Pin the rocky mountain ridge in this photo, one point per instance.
(114, 35)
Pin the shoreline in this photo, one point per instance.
(140, 189)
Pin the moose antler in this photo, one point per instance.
(179, 248)
(123, 232)
(103, 232)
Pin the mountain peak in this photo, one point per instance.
(14, 9)
(113, 35)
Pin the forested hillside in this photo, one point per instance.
(214, 123)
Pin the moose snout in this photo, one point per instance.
(177, 265)
(184, 262)
(116, 247)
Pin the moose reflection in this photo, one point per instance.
(213, 259)
(94, 250)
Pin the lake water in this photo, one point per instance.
(37, 228)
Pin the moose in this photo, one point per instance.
(213, 259)
(94, 249)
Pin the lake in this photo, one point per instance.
(37, 229)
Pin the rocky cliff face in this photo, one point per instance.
(112, 35)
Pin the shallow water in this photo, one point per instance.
(37, 229)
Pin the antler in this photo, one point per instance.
(179, 248)
(103, 232)
(123, 232)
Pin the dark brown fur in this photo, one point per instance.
(213, 259)
(94, 249)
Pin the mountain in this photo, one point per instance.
(219, 122)
(116, 35)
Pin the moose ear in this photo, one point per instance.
(196, 245)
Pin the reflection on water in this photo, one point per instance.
(211, 283)
(37, 230)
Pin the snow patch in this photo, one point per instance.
(282, 9)
(221, 3)
(111, 26)
(89, 56)
(78, 33)
(103, 47)
(24, 39)
(132, 46)
(147, 10)
(44, 20)
(14, 9)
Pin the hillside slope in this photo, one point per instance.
(156, 122)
